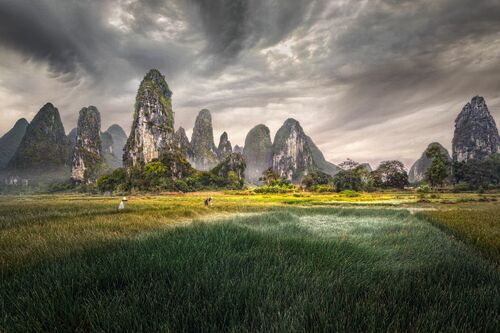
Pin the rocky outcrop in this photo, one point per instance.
(202, 142)
(45, 146)
(11, 140)
(291, 156)
(87, 162)
(476, 134)
(319, 161)
(420, 167)
(258, 152)
(224, 149)
(295, 154)
(119, 138)
(152, 130)
(237, 149)
(367, 167)
(182, 143)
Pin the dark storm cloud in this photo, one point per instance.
(66, 35)
(397, 71)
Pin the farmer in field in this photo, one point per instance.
(121, 206)
(208, 201)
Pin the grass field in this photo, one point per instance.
(298, 262)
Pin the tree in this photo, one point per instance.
(269, 177)
(353, 176)
(474, 173)
(438, 171)
(316, 178)
(154, 174)
(112, 181)
(390, 174)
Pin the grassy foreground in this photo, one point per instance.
(76, 264)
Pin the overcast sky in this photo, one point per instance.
(367, 79)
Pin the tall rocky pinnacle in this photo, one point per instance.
(476, 134)
(119, 138)
(224, 149)
(87, 162)
(11, 140)
(45, 146)
(202, 141)
(152, 130)
(258, 152)
(295, 154)
(420, 167)
(182, 143)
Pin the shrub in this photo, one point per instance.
(282, 188)
(323, 188)
(424, 188)
(350, 193)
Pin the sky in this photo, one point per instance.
(369, 80)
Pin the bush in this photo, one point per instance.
(350, 193)
(282, 188)
(323, 188)
(424, 188)
(461, 187)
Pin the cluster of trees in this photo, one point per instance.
(161, 175)
(355, 177)
(273, 183)
(477, 174)
(468, 175)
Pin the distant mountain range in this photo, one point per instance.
(43, 146)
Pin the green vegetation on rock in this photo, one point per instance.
(44, 146)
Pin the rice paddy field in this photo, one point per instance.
(250, 263)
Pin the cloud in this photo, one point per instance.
(368, 79)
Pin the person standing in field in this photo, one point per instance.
(208, 201)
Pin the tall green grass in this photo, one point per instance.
(291, 269)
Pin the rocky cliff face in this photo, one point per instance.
(119, 138)
(182, 143)
(224, 149)
(420, 167)
(291, 156)
(295, 154)
(44, 146)
(319, 161)
(258, 152)
(202, 142)
(87, 162)
(11, 140)
(476, 134)
(72, 143)
(152, 130)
